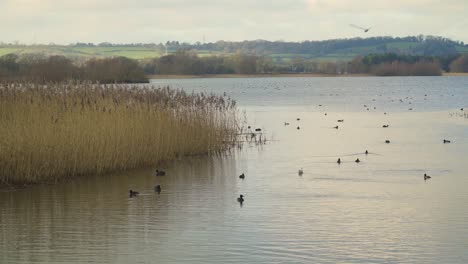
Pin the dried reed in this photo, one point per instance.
(50, 132)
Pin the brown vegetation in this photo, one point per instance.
(39, 68)
(49, 132)
(460, 64)
(407, 69)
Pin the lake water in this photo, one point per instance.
(377, 211)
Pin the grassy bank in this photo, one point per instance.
(55, 131)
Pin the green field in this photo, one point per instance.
(4, 51)
(70, 51)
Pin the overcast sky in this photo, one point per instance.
(132, 21)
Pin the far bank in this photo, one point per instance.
(180, 76)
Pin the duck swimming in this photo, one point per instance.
(242, 176)
(357, 160)
(446, 141)
(385, 126)
(240, 199)
(160, 173)
(338, 161)
(367, 152)
(157, 189)
(387, 141)
(300, 172)
(335, 127)
(132, 193)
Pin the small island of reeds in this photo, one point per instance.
(50, 132)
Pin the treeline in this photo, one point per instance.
(422, 68)
(41, 68)
(389, 64)
(187, 62)
(386, 64)
(418, 45)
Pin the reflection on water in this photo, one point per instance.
(380, 210)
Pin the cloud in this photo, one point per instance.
(160, 20)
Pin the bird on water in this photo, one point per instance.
(157, 189)
(242, 176)
(160, 173)
(300, 172)
(132, 193)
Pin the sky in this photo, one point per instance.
(155, 21)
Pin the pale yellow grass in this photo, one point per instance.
(63, 130)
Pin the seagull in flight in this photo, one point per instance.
(361, 28)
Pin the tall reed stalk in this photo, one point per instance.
(54, 131)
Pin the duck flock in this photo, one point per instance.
(301, 170)
(339, 161)
(157, 188)
(241, 199)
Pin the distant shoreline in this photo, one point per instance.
(266, 75)
(455, 74)
(203, 76)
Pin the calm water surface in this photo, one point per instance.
(378, 211)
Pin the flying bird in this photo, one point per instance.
(361, 28)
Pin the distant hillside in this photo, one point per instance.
(331, 50)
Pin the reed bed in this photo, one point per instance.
(54, 131)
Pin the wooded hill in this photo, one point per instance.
(329, 50)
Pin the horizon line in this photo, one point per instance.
(51, 43)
